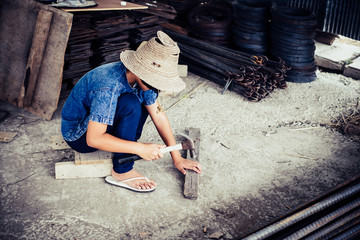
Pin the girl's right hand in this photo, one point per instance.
(151, 151)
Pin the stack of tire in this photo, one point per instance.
(292, 39)
(251, 26)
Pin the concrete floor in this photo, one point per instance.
(255, 168)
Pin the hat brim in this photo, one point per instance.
(174, 84)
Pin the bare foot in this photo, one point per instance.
(138, 184)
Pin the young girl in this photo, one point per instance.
(108, 107)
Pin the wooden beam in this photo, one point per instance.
(66, 170)
(191, 186)
(329, 64)
(326, 38)
(98, 157)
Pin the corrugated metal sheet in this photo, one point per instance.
(334, 16)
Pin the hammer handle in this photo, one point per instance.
(163, 150)
(131, 158)
(172, 148)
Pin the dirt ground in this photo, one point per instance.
(260, 160)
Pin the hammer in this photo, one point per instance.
(188, 144)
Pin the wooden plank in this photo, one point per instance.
(353, 69)
(329, 64)
(98, 157)
(326, 38)
(39, 41)
(47, 93)
(191, 186)
(17, 21)
(7, 136)
(108, 5)
(67, 170)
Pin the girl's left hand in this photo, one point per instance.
(182, 164)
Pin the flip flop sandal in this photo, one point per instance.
(123, 183)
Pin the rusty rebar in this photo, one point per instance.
(254, 77)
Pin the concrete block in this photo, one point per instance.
(183, 70)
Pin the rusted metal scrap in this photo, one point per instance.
(254, 77)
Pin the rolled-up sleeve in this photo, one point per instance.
(149, 97)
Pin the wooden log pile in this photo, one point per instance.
(254, 77)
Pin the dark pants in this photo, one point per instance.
(129, 120)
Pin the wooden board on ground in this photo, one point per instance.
(66, 170)
(7, 136)
(108, 5)
(191, 186)
(98, 157)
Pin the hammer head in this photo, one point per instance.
(188, 144)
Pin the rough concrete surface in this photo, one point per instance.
(260, 161)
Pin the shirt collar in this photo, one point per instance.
(127, 84)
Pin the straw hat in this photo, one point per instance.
(155, 62)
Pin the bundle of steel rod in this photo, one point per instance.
(254, 77)
(251, 26)
(211, 21)
(335, 215)
(292, 38)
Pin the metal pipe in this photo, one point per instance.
(324, 220)
(352, 233)
(323, 232)
(315, 208)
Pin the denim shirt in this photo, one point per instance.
(94, 98)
